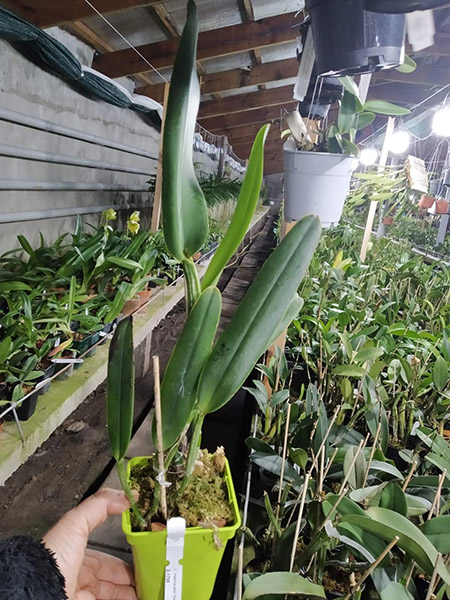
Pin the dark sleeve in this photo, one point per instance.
(28, 571)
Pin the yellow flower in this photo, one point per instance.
(133, 226)
(110, 214)
(134, 217)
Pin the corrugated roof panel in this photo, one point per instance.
(212, 15)
(270, 8)
(279, 52)
(240, 60)
(138, 25)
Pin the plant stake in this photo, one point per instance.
(438, 494)
(159, 437)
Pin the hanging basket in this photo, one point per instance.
(202, 556)
(315, 183)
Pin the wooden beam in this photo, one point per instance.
(244, 102)
(223, 81)
(272, 166)
(257, 115)
(47, 13)
(269, 151)
(421, 76)
(165, 20)
(242, 137)
(213, 43)
(249, 130)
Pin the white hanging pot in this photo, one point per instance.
(315, 183)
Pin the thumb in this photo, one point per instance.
(69, 537)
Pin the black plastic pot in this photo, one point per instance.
(350, 40)
(26, 409)
(48, 372)
(3, 387)
(82, 346)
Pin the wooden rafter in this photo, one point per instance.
(245, 102)
(47, 13)
(421, 76)
(441, 46)
(213, 43)
(241, 120)
(223, 81)
(249, 15)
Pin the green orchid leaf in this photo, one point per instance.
(179, 386)
(437, 530)
(243, 213)
(294, 308)
(393, 498)
(349, 371)
(440, 373)
(125, 263)
(120, 389)
(366, 354)
(13, 286)
(387, 524)
(364, 119)
(408, 66)
(281, 584)
(255, 321)
(350, 107)
(5, 349)
(184, 212)
(349, 85)
(395, 591)
(381, 107)
(355, 473)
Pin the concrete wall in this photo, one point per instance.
(27, 89)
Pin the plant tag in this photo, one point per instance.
(305, 69)
(103, 334)
(421, 29)
(57, 342)
(67, 361)
(176, 529)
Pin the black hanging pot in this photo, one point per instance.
(350, 40)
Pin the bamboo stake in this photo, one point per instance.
(433, 578)
(159, 435)
(335, 507)
(297, 527)
(372, 453)
(437, 495)
(322, 468)
(372, 567)
(410, 474)
(325, 437)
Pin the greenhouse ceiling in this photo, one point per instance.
(247, 51)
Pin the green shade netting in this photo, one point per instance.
(99, 86)
(13, 28)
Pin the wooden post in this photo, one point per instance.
(156, 214)
(373, 204)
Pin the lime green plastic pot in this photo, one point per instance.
(201, 556)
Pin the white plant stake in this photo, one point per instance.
(176, 529)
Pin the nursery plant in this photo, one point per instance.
(202, 375)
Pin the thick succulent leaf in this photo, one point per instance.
(395, 591)
(281, 584)
(243, 213)
(179, 386)
(382, 107)
(393, 498)
(120, 389)
(256, 319)
(184, 212)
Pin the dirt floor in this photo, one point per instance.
(71, 463)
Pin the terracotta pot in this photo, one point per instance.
(131, 305)
(388, 220)
(441, 206)
(145, 295)
(426, 201)
(197, 256)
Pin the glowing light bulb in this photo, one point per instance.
(399, 142)
(441, 122)
(368, 156)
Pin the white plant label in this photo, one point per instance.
(176, 529)
(305, 69)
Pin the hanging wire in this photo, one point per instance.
(126, 41)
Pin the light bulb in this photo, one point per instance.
(441, 122)
(368, 156)
(399, 142)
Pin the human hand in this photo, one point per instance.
(90, 575)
